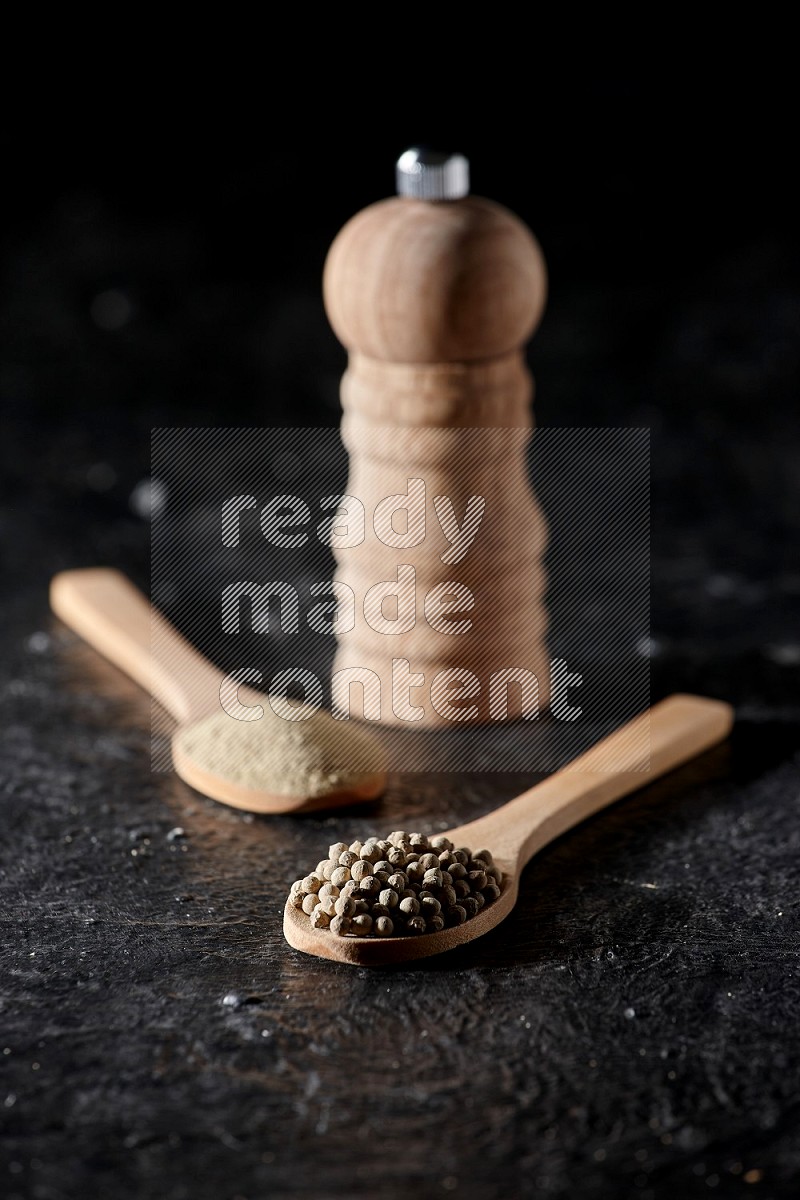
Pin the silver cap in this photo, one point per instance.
(430, 175)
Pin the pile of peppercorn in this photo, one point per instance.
(405, 884)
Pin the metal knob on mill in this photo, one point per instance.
(434, 293)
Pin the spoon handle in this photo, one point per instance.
(668, 735)
(113, 616)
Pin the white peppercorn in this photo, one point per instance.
(321, 865)
(336, 849)
(379, 910)
(397, 881)
(388, 898)
(448, 896)
(477, 880)
(340, 925)
(456, 914)
(319, 918)
(355, 847)
(427, 861)
(410, 906)
(312, 883)
(362, 924)
(328, 889)
(340, 876)
(430, 907)
(345, 906)
(416, 925)
(347, 858)
(310, 902)
(435, 924)
(384, 927)
(296, 899)
(327, 905)
(360, 870)
(432, 878)
(457, 870)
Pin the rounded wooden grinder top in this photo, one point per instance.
(456, 280)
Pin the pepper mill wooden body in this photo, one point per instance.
(434, 293)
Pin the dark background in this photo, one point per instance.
(663, 202)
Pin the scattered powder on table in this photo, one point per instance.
(405, 884)
(288, 758)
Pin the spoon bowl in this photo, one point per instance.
(657, 741)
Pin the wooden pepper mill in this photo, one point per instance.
(434, 294)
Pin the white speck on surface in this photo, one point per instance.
(148, 499)
(648, 647)
(629, 1014)
(38, 642)
(785, 654)
(111, 310)
(721, 586)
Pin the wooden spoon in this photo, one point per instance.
(649, 746)
(115, 618)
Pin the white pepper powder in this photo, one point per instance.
(287, 758)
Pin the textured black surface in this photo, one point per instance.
(632, 1029)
